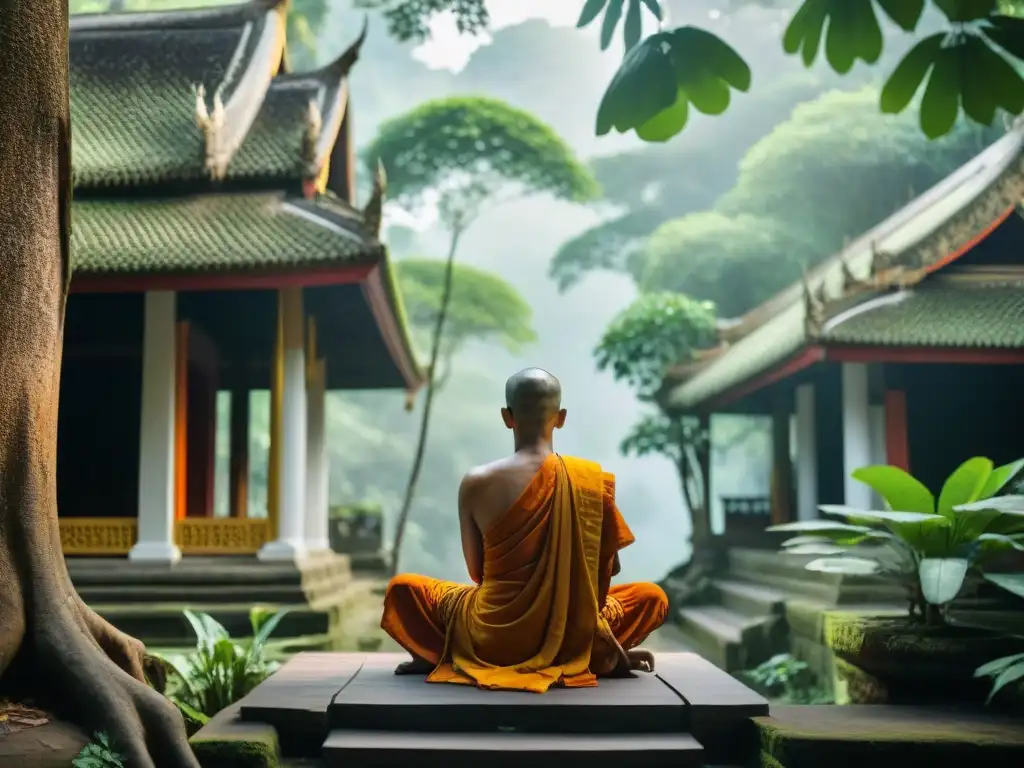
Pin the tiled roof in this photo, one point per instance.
(215, 233)
(939, 314)
(132, 76)
(942, 220)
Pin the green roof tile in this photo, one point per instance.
(132, 99)
(941, 314)
(215, 233)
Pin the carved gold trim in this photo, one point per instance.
(221, 536)
(97, 535)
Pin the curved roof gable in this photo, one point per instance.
(137, 114)
(294, 133)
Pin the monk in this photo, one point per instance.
(541, 535)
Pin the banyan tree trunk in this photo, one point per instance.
(52, 647)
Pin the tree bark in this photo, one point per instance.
(432, 387)
(53, 648)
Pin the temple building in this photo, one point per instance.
(217, 248)
(906, 348)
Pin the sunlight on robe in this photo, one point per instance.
(545, 604)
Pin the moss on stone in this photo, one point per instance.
(767, 761)
(228, 742)
(229, 753)
(855, 686)
(888, 737)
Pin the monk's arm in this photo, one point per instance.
(472, 541)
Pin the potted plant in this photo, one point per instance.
(930, 545)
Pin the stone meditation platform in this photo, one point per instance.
(350, 709)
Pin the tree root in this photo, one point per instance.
(75, 664)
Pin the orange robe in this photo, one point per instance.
(545, 603)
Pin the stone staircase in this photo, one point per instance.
(742, 618)
(346, 710)
(147, 601)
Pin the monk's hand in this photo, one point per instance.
(640, 659)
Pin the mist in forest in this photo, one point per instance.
(536, 60)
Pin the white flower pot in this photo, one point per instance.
(941, 578)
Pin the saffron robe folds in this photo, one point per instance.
(545, 608)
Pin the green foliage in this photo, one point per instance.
(646, 195)
(358, 510)
(99, 753)
(966, 524)
(830, 184)
(408, 20)
(631, 29)
(1005, 671)
(656, 331)
(788, 679)
(483, 305)
(666, 74)
(475, 145)
(220, 671)
(736, 262)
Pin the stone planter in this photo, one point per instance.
(355, 531)
(891, 660)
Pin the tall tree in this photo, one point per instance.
(53, 648)
(466, 153)
(655, 332)
(970, 67)
(483, 307)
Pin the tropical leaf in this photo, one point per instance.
(1009, 675)
(906, 13)
(910, 73)
(1000, 477)
(901, 490)
(853, 32)
(798, 541)
(964, 485)
(848, 566)
(1007, 505)
(817, 526)
(591, 10)
(962, 11)
(996, 666)
(1011, 582)
(882, 516)
(815, 549)
(1008, 542)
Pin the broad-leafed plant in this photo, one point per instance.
(928, 544)
(220, 671)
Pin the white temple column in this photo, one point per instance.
(316, 460)
(155, 543)
(806, 455)
(291, 522)
(856, 433)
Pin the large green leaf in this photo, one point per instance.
(853, 32)
(848, 566)
(960, 11)
(815, 549)
(1007, 505)
(591, 10)
(667, 123)
(1007, 32)
(1008, 542)
(964, 485)
(912, 70)
(901, 490)
(881, 516)
(940, 104)
(998, 665)
(631, 28)
(1011, 582)
(1000, 477)
(612, 15)
(644, 85)
(1009, 675)
(817, 526)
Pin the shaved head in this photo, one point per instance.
(532, 391)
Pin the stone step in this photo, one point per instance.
(179, 593)
(728, 639)
(163, 624)
(748, 598)
(505, 749)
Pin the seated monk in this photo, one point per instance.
(541, 535)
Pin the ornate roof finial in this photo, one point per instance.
(314, 126)
(341, 65)
(814, 308)
(211, 124)
(373, 213)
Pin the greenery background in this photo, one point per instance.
(728, 211)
